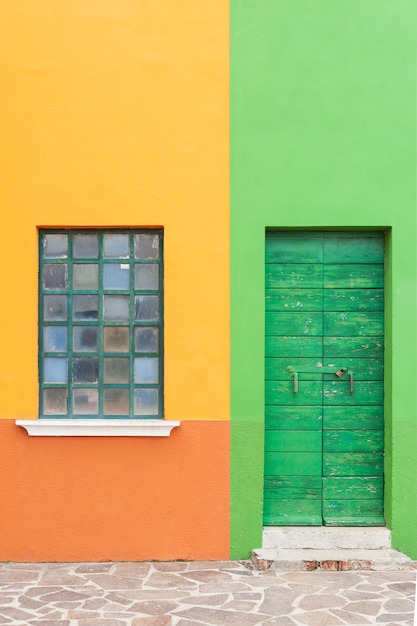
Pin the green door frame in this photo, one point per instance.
(247, 378)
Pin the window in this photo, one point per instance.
(100, 329)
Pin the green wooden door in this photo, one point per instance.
(324, 436)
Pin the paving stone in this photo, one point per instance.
(399, 618)
(240, 595)
(239, 605)
(217, 617)
(321, 601)
(119, 599)
(232, 587)
(398, 606)
(353, 594)
(351, 618)
(94, 568)
(110, 582)
(16, 614)
(364, 607)
(65, 595)
(160, 580)
(280, 621)
(209, 576)
(153, 621)
(101, 622)
(61, 577)
(278, 602)
(132, 569)
(153, 607)
(49, 622)
(407, 588)
(210, 600)
(177, 566)
(318, 618)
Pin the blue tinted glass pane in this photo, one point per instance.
(146, 246)
(116, 370)
(85, 338)
(146, 339)
(146, 276)
(146, 370)
(146, 308)
(85, 246)
(116, 402)
(116, 276)
(85, 369)
(146, 402)
(116, 246)
(55, 308)
(85, 276)
(85, 401)
(116, 308)
(55, 401)
(55, 339)
(55, 276)
(55, 246)
(85, 307)
(55, 370)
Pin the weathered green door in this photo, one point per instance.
(324, 437)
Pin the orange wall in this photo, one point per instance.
(103, 498)
(116, 114)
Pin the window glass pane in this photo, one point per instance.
(116, 370)
(85, 307)
(55, 369)
(85, 246)
(55, 308)
(146, 370)
(116, 276)
(55, 276)
(116, 246)
(146, 402)
(146, 339)
(146, 246)
(85, 369)
(116, 308)
(85, 276)
(146, 308)
(85, 338)
(116, 402)
(85, 401)
(55, 246)
(116, 339)
(55, 401)
(55, 339)
(146, 276)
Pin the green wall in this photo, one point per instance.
(323, 135)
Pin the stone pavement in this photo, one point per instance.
(196, 593)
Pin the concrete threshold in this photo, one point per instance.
(307, 560)
(300, 548)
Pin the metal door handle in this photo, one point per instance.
(295, 382)
(351, 382)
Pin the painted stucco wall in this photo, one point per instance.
(116, 114)
(323, 135)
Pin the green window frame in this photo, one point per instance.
(101, 323)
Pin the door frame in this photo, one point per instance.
(247, 387)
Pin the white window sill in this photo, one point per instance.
(98, 427)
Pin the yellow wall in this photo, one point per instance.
(115, 113)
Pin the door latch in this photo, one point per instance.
(340, 372)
